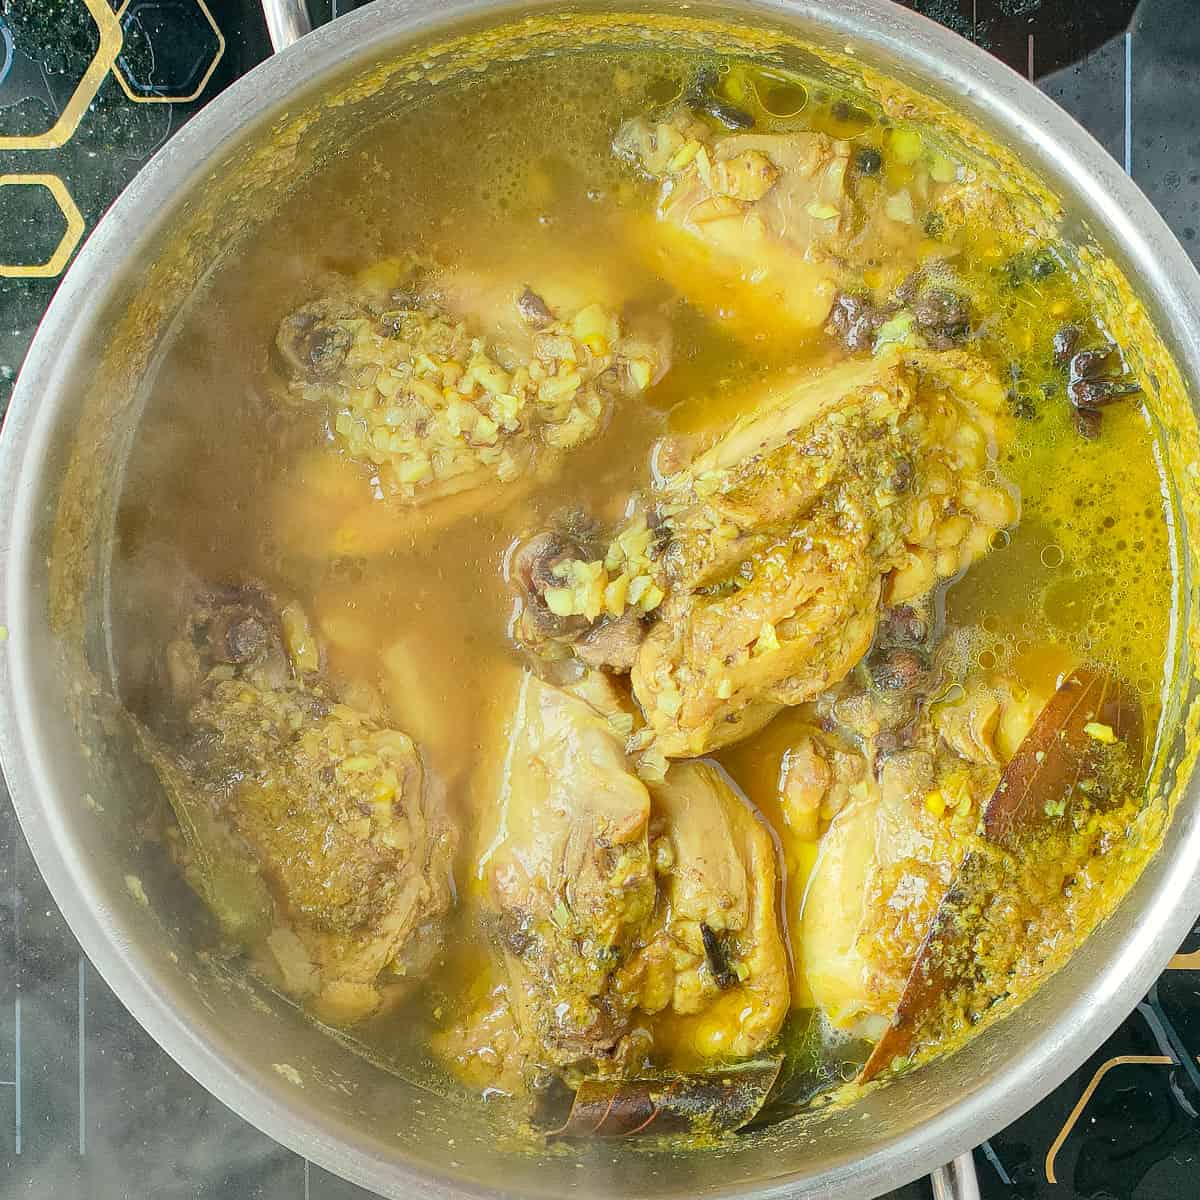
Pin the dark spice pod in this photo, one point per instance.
(1087, 423)
(1088, 388)
(533, 309)
(1087, 363)
(1097, 393)
(854, 320)
(702, 96)
(896, 669)
(1065, 342)
(943, 316)
(868, 160)
(718, 960)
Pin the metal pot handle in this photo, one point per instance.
(956, 1180)
(287, 22)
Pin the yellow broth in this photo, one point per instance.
(512, 174)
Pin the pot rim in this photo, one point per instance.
(883, 31)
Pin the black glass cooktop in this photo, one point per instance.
(89, 1106)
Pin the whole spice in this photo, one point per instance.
(702, 97)
(868, 160)
(718, 960)
(1065, 341)
(720, 1102)
(1089, 389)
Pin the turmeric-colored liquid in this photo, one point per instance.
(511, 175)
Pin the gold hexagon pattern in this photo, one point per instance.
(70, 238)
(108, 50)
(119, 75)
(1154, 1060)
(109, 25)
(1077, 1111)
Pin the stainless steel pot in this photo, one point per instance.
(75, 408)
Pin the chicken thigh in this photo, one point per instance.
(750, 226)
(634, 923)
(897, 837)
(436, 398)
(307, 827)
(756, 568)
